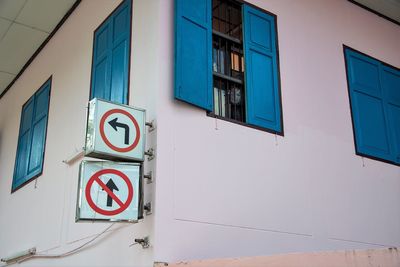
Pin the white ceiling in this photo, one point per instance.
(24, 26)
(389, 8)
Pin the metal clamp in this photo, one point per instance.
(144, 242)
(150, 154)
(151, 125)
(148, 208)
(149, 177)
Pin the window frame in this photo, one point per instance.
(49, 81)
(129, 52)
(357, 152)
(226, 78)
(246, 124)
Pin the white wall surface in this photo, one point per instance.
(44, 217)
(221, 190)
(224, 190)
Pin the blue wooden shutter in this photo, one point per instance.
(111, 50)
(368, 106)
(391, 89)
(193, 52)
(263, 98)
(32, 136)
(39, 127)
(101, 69)
(24, 144)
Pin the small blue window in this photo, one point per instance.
(32, 137)
(226, 62)
(111, 50)
(374, 90)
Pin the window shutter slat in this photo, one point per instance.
(39, 126)
(21, 162)
(119, 81)
(193, 52)
(120, 54)
(37, 147)
(391, 87)
(263, 98)
(101, 63)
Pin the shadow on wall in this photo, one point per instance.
(1, 142)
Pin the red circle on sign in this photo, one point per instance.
(104, 137)
(96, 177)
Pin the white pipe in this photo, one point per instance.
(80, 153)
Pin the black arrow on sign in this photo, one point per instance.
(116, 124)
(110, 184)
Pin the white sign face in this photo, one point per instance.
(108, 191)
(115, 131)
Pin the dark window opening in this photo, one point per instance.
(228, 62)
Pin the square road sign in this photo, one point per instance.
(115, 131)
(109, 191)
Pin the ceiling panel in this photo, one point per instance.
(44, 14)
(17, 47)
(24, 27)
(4, 25)
(9, 9)
(388, 8)
(5, 79)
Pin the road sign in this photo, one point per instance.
(109, 191)
(115, 131)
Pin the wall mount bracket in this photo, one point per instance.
(144, 242)
(150, 154)
(151, 125)
(149, 177)
(148, 208)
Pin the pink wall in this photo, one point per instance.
(43, 216)
(224, 190)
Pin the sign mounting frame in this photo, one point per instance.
(103, 118)
(83, 191)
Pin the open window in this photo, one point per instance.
(226, 62)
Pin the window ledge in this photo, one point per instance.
(213, 115)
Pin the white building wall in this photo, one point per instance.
(221, 190)
(224, 190)
(44, 216)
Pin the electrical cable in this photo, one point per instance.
(68, 253)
